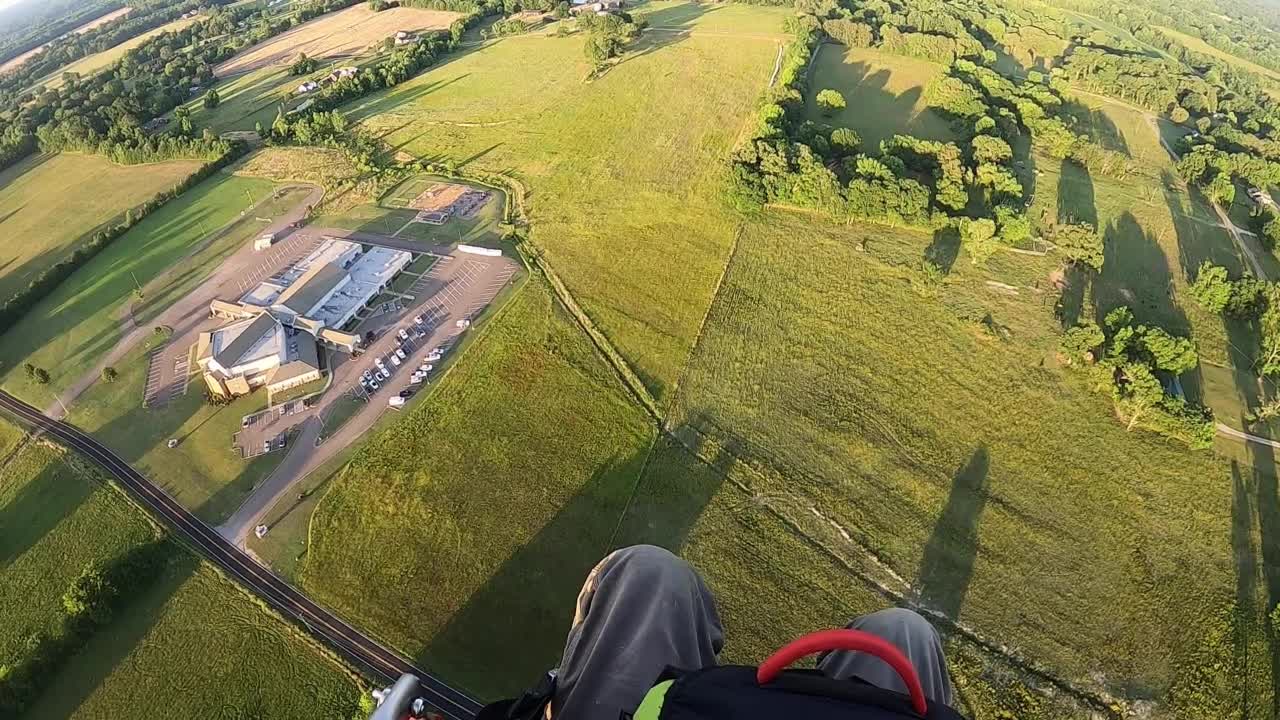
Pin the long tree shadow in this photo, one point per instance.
(1135, 273)
(1244, 552)
(1076, 203)
(947, 565)
(37, 508)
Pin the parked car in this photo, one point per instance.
(417, 319)
(403, 335)
(395, 361)
(266, 446)
(245, 422)
(284, 441)
(434, 355)
(373, 385)
(383, 375)
(463, 324)
(400, 353)
(406, 393)
(425, 368)
(260, 531)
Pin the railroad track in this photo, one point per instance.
(283, 597)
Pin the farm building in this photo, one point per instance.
(406, 38)
(597, 6)
(308, 86)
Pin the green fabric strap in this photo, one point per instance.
(651, 707)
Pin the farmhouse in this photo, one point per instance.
(308, 86)
(275, 328)
(406, 38)
(596, 6)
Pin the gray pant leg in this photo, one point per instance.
(641, 609)
(914, 636)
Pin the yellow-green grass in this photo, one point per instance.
(884, 94)
(79, 321)
(255, 96)
(390, 215)
(204, 472)
(624, 171)
(517, 469)
(194, 269)
(345, 186)
(54, 520)
(185, 643)
(91, 64)
(51, 204)
(936, 446)
(1195, 44)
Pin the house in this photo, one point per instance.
(597, 6)
(308, 86)
(406, 38)
(343, 73)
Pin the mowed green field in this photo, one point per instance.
(188, 644)
(624, 171)
(884, 94)
(248, 98)
(939, 463)
(67, 332)
(390, 215)
(522, 461)
(50, 204)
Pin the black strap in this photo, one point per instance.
(529, 706)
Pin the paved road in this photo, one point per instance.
(458, 286)
(186, 315)
(281, 596)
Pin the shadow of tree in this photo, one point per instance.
(947, 565)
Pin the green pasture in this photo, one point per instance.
(521, 461)
(71, 328)
(624, 171)
(929, 470)
(884, 94)
(51, 204)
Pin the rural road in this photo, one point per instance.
(458, 286)
(282, 597)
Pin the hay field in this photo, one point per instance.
(341, 34)
(624, 172)
(884, 93)
(16, 61)
(50, 203)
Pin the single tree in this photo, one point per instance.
(1082, 340)
(1212, 289)
(830, 101)
(1179, 115)
(30, 370)
(211, 99)
(109, 374)
(978, 238)
(1137, 390)
(41, 376)
(1080, 243)
(845, 141)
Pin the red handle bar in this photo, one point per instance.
(855, 640)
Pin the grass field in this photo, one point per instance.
(79, 321)
(624, 172)
(183, 645)
(1195, 44)
(344, 186)
(91, 64)
(523, 458)
(938, 465)
(50, 204)
(884, 93)
(338, 34)
(391, 216)
(203, 472)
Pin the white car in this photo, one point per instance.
(426, 367)
(463, 324)
(380, 365)
(433, 356)
(417, 319)
(400, 353)
(403, 335)
(395, 361)
(260, 531)
(415, 378)
(382, 375)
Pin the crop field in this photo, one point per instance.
(50, 204)
(70, 329)
(391, 216)
(91, 64)
(345, 33)
(938, 464)
(532, 449)
(624, 172)
(884, 93)
(17, 60)
(54, 520)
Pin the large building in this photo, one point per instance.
(275, 328)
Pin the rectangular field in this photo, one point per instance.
(625, 172)
(18, 60)
(884, 93)
(50, 204)
(67, 332)
(345, 33)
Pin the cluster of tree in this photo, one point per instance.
(26, 26)
(1130, 359)
(128, 144)
(1244, 298)
(144, 16)
(607, 35)
(88, 604)
(44, 283)
(304, 65)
